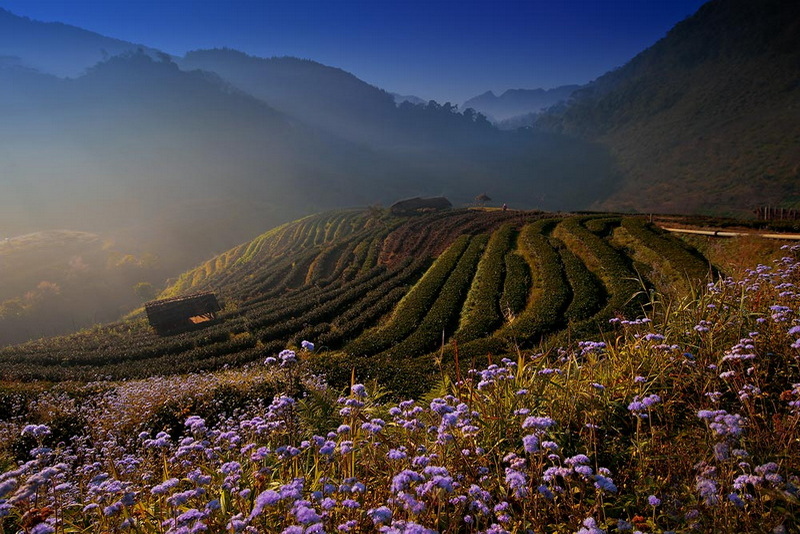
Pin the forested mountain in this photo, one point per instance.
(708, 118)
(183, 164)
(515, 102)
(196, 163)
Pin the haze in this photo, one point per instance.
(141, 138)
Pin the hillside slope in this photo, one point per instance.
(379, 292)
(705, 120)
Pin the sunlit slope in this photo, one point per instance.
(58, 281)
(370, 288)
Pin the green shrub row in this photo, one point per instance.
(481, 312)
(516, 286)
(372, 253)
(234, 352)
(373, 297)
(327, 309)
(334, 225)
(686, 264)
(413, 307)
(550, 294)
(324, 265)
(314, 301)
(349, 326)
(624, 288)
(309, 234)
(601, 226)
(442, 317)
(588, 294)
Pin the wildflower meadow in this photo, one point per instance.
(683, 420)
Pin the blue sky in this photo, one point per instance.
(447, 50)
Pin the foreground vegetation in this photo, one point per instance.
(683, 421)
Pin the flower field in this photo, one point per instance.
(684, 419)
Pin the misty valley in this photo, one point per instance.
(262, 295)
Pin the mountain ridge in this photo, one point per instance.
(719, 134)
(57, 48)
(515, 102)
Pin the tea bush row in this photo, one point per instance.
(441, 318)
(550, 294)
(481, 312)
(516, 286)
(682, 261)
(626, 297)
(588, 294)
(412, 308)
(325, 309)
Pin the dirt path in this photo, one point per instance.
(725, 233)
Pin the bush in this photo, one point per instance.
(481, 312)
(587, 291)
(516, 286)
(413, 307)
(684, 263)
(443, 313)
(550, 293)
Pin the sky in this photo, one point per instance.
(445, 50)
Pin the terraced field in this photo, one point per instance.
(385, 294)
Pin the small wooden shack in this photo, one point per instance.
(419, 205)
(181, 314)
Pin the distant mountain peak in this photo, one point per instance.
(515, 102)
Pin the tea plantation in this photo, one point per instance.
(381, 293)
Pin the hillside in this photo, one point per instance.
(378, 292)
(683, 421)
(705, 120)
(176, 163)
(329, 98)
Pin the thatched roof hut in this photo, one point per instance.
(179, 314)
(417, 205)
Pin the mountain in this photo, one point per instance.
(705, 120)
(399, 99)
(176, 159)
(516, 102)
(443, 151)
(193, 162)
(327, 97)
(56, 48)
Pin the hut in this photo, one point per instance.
(419, 205)
(181, 314)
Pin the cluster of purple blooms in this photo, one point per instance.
(240, 476)
(489, 458)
